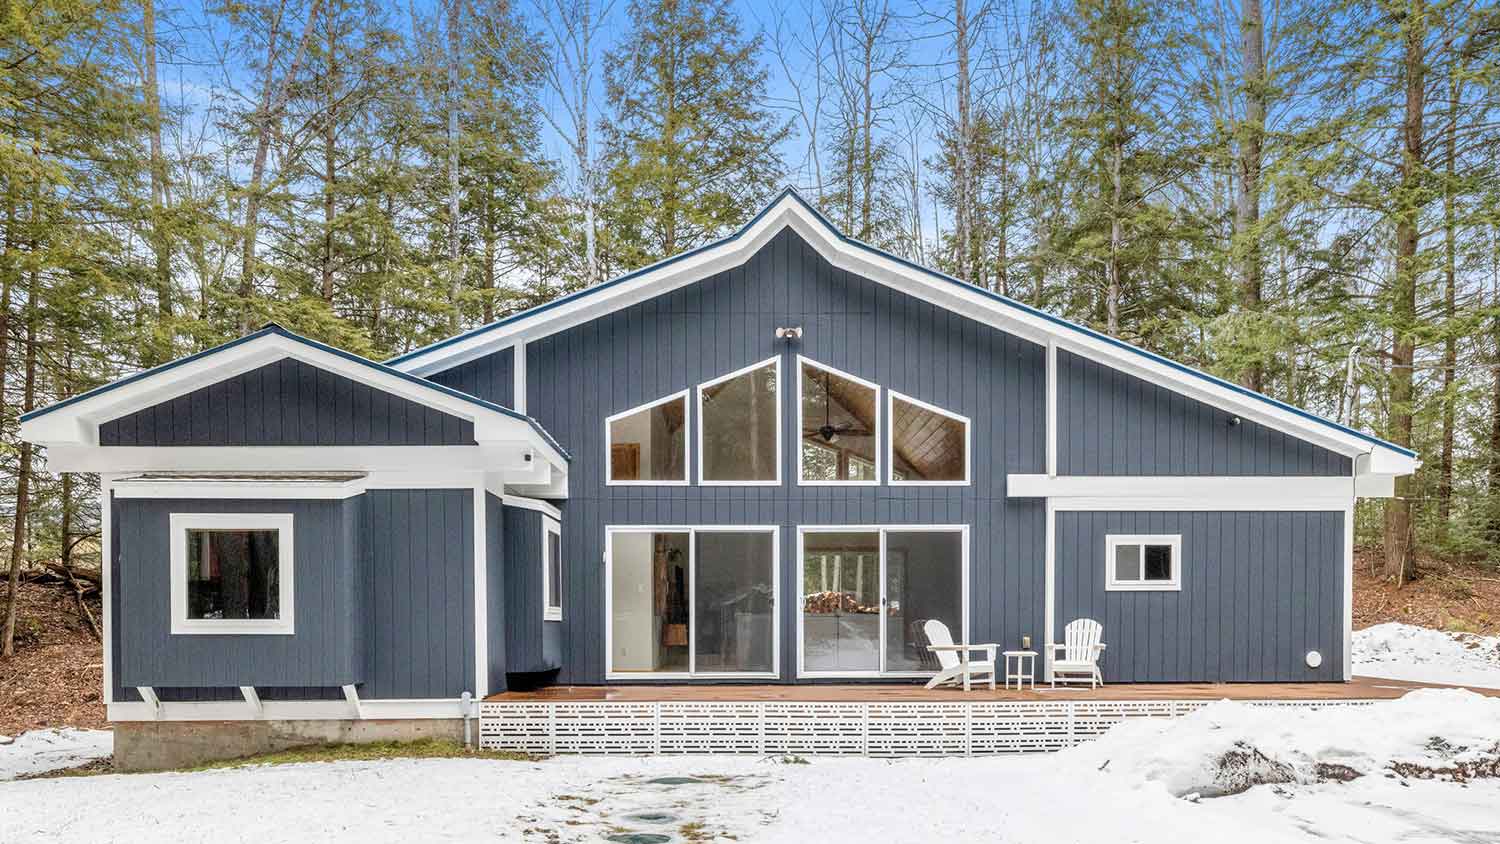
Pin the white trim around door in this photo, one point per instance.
(883, 530)
(610, 531)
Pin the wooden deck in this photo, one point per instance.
(1360, 688)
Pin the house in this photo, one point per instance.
(769, 459)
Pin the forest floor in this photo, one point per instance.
(55, 678)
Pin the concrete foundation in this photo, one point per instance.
(161, 745)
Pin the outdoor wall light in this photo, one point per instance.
(792, 333)
(1314, 659)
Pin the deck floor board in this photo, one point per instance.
(1361, 688)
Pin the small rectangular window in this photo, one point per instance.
(552, 568)
(1143, 563)
(231, 572)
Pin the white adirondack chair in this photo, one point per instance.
(1079, 660)
(953, 660)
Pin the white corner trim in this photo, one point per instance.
(106, 582)
(1049, 597)
(1188, 493)
(891, 397)
(609, 480)
(1115, 540)
(481, 595)
(518, 377)
(1349, 591)
(802, 425)
(550, 528)
(1051, 408)
(180, 523)
(698, 415)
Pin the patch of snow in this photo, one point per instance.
(1420, 654)
(50, 750)
(1227, 747)
(1071, 796)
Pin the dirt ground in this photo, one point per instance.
(56, 677)
(1448, 596)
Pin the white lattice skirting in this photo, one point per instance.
(818, 729)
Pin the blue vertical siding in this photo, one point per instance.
(497, 623)
(490, 377)
(287, 403)
(1259, 590)
(531, 642)
(579, 376)
(1112, 423)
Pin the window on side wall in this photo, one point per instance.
(552, 568)
(739, 428)
(1143, 563)
(648, 444)
(231, 573)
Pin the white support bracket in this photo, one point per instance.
(148, 694)
(252, 697)
(351, 694)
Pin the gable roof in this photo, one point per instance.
(85, 411)
(791, 210)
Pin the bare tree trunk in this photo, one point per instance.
(273, 98)
(1116, 240)
(161, 245)
(1002, 221)
(23, 481)
(487, 221)
(1494, 479)
(963, 162)
(330, 159)
(455, 278)
(1399, 563)
(1247, 206)
(1450, 291)
(584, 153)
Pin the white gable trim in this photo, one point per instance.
(789, 210)
(75, 422)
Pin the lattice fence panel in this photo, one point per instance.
(711, 728)
(814, 729)
(885, 729)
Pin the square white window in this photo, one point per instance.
(1143, 563)
(231, 573)
(552, 568)
(928, 445)
(840, 427)
(647, 445)
(739, 427)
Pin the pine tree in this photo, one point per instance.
(690, 149)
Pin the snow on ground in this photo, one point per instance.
(1420, 654)
(1120, 788)
(48, 750)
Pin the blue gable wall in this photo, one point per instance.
(491, 378)
(287, 403)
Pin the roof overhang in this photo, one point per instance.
(70, 429)
(790, 210)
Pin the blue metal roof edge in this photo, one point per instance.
(1004, 300)
(306, 341)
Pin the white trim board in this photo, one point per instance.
(551, 528)
(1184, 493)
(790, 211)
(287, 710)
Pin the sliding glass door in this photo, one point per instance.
(691, 602)
(866, 594)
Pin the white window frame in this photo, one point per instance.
(882, 530)
(551, 527)
(180, 523)
(692, 532)
(1115, 540)
(801, 426)
(780, 389)
(891, 396)
(609, 479)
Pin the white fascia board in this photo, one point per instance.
(1185, 493)
(873, 264)
(78, 423)
(505, 458)
(238, 489)
(287, 710)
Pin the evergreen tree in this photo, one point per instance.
(690, 149)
